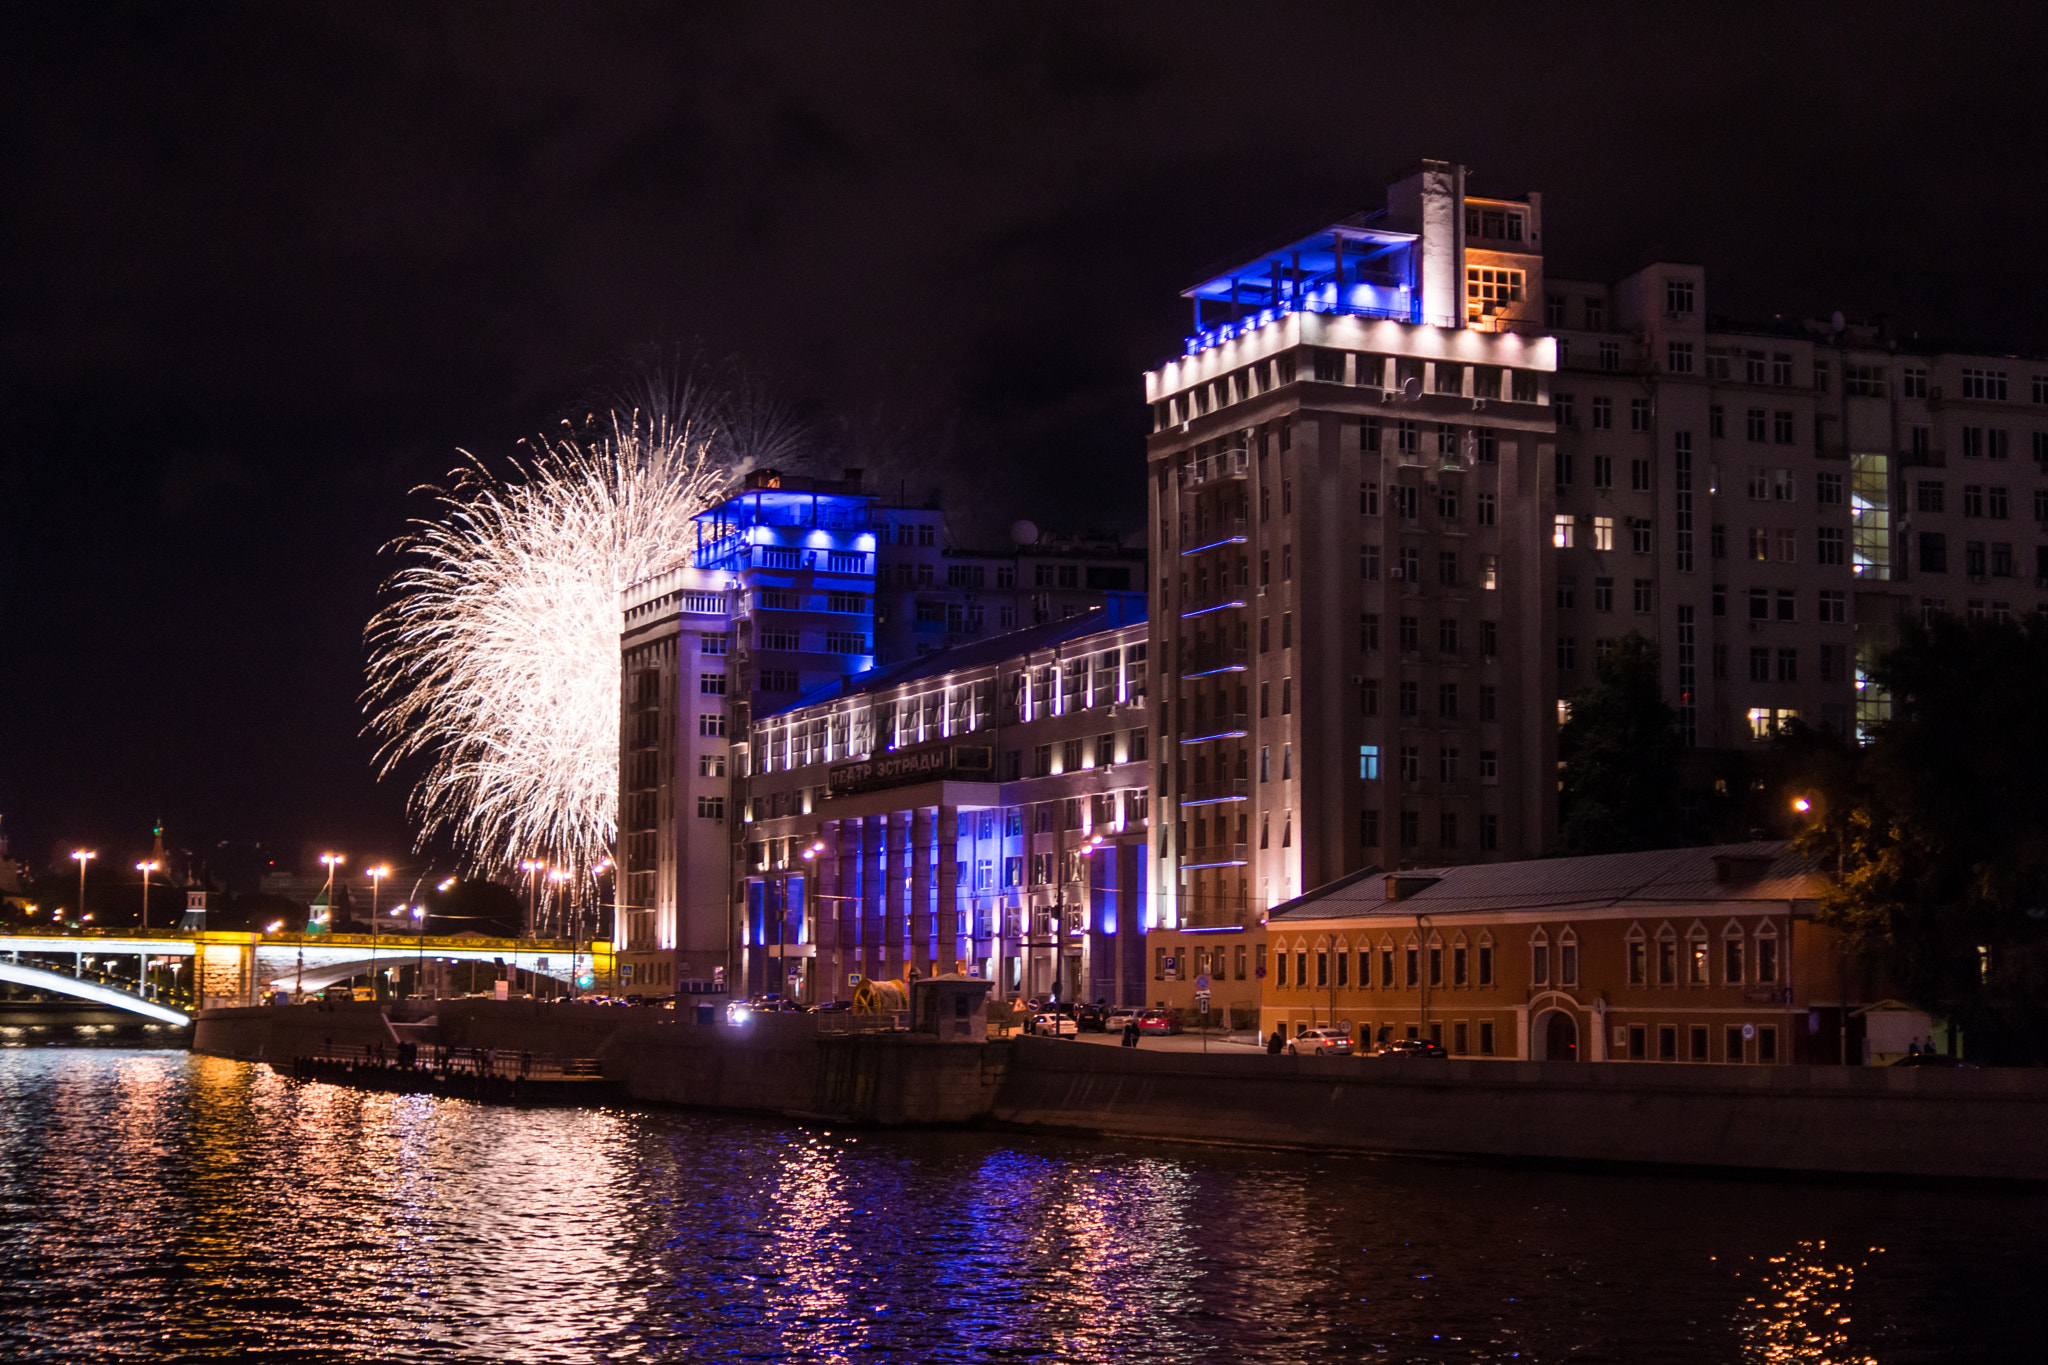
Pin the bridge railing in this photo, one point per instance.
(502, 1063)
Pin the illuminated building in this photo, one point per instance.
(981, 810)
(794, 584)
(1673, 955)
(1349, 483)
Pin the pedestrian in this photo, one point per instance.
(1276, 1042)
(1130, 1033)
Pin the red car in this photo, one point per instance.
(1158, 1022)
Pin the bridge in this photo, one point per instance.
(128, 971)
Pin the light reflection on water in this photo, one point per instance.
(156, 1205)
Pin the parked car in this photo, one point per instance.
(1159, 1022)
(1319, 1041)
(1054, 1026)
(1094, 1018)
(1117, 1019)
(1409, 1047)
(833, 1007)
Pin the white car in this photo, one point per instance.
(1055, 1026)
(1117, 1020)
(1318, 1041)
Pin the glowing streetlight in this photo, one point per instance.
(1802, 805)
(145, 867)
(330, 861)
(376, 875)
(274, 926)
(82, 856)
(532, 867)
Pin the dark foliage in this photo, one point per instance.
(1620, 749)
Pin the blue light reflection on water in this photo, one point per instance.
(155, 1205)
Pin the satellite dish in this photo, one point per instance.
(1836, 321)
(1024, 533)
(1411, 388)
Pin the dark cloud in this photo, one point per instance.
(268, 266)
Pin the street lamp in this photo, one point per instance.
(532, 867)
(810, 892)
(331, 861)
(145, 867)
(82, 856)
(419, 919)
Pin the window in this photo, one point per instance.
(1831, 545)
(1368, 631)
(1639, 413)
(1567, 652)
(1638, 958)
(1834, 606)
(1447, 766)
(1913, 382)
(1411, 763)
(1642, 597)
(1539, 960)
(1639, 535)
(1369, 762)
(1678, 297)
(1603, 594)
(1564, 410)
(1781, 427)
(1563, 531)
(1490, 290)
(1678, 357)
(1639, 476)
(1933, 552)
(1760, 663)
(1603, 471)
(1603, 411)
(711, 684)
(1997, 503)
(1369, 499)
(1717, 421)
(1411, 633)
(1610, 355)
(1603, 533)
(1489, 699)
(710, 808)
(1781, 370)
(1567, 592)
(1929, 495)
(1985, 384)
(1697, 1035)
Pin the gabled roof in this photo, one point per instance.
(1764, 871)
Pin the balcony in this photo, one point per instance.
(1215, 468)
(1203, 663)
(1214, 855)
(1216, 599)
(1225, 725)
(1214, 793)
(1228, 531)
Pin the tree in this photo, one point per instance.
(1941, 838)
(1619, 789)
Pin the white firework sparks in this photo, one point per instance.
(496, 655)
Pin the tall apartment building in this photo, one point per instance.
(793, 585)
(1768, 501)
(1350, 486)
(981, 810)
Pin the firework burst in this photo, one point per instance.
(495, 657)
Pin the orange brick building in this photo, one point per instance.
(1689, 955)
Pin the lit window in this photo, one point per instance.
(1490, 290)
(1603, 533)
(1563, 528)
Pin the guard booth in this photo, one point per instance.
(953, 1007)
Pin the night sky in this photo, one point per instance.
(268, 266)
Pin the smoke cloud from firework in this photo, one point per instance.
(495, 657)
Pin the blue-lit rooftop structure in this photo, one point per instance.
(1351, 267)
(779, 516)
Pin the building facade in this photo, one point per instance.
(792, 586)
(1769, 502)
(983, 810)
(1677, 955)
(1349, 481)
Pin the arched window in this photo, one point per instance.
(1732, 963)
(1486, 959)
(1412, 955)
(1567, 958)
(1667, 955)
(1322, 964)
(1342, 950)
(1386, 962)
(1436, 959)
(1638, 954)
(1539, 959)
(1461, 960)
(1767, 953)
(1696, 963)
(1301, 962)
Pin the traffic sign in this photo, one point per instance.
(1202, 984)
(1202, 1000)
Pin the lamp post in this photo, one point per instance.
(419, 920)
(82, 856)
(145, 867)
(1811, 805)
(332, 861)
(810, 892)
(532, 867)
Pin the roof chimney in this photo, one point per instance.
(1402, 885)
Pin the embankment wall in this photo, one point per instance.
(1921, 1122)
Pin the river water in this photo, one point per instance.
(160, 1206)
